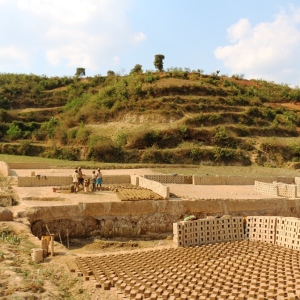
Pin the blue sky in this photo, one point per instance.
(258, 39)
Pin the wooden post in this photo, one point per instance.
(68, 238)
(52, 244)
(60, 238)
(48, 230)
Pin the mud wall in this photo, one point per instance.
(32, 166)
(115, 179)
(179, 179)
(266, 188)
(278, 189)
(287, 190)
(239, 180)
(66, 180)
(4, 168)
(44, 181)
(155, 186)
(110, 219)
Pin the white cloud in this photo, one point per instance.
(64, 11)
(71, 33)
(140, 36)
(239, 30)
(267, 50)
(13, 55)
(116, 60)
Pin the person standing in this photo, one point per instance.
(99, 180)
(94, 181)
(80, 178)
(75, 180)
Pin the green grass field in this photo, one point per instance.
(165, 169)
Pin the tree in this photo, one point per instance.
(80, 72)
(158, 62)
(110, 73)
(137, 69)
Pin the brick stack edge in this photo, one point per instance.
(282, 231)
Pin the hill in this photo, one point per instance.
(174, 117)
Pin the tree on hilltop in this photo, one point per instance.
(158, 62)
(136, 69)
(111, 73)
(80, 72)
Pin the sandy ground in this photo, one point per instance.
(177, 190)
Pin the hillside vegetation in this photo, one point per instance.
(174, 117)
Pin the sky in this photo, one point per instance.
(258, 39)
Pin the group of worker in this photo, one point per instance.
(87, 184)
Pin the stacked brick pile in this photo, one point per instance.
(208, 231)
(282, 231)
(288, 232)
(261, 228)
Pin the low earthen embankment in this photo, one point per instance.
(108, 219)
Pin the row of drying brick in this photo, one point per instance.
(239, 270)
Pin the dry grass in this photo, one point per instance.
(162, 168)
(230, 171)
(20, 278)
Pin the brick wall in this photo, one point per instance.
(32, 166)
(155, 186)
(66, 180)
(266, 188)
(116, 179)
(4, 168)
(287, 190)
(44, 181)
(179, 179)
(282, 231)
(239, 180)
(208, 231)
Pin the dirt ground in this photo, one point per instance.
(21, 278)
(176, 190)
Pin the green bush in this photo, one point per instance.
(66, 153)
(14, 132)
(103, 149)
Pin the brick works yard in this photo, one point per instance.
(122, 261)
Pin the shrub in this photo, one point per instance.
(153, 155)
(4, 116)
(82, 134)
(67, 153)
(227, 156)
(222, 139)
(14, 132)
(103, 149)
